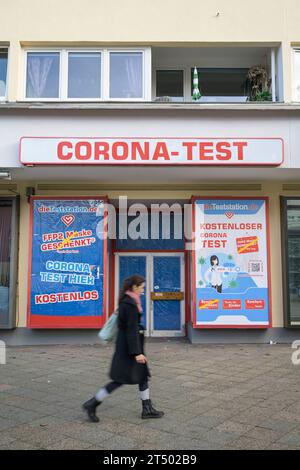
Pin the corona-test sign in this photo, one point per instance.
(230, 273)
(67, 263)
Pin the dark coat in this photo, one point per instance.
(130, 343)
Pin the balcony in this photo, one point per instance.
(224, 74)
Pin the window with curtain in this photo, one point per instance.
(84, 75)
(126, 75)
(3, 71)
(5, 235)
(42, 80)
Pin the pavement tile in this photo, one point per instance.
(292, 438)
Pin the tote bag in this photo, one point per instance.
(109, 331)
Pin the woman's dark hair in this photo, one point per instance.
(212, 258)
(135, 280)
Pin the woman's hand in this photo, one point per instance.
(141, 359)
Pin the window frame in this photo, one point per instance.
(4, 97)
(55, 50)
(105, 72)
(13, 268)
(295, 50)
(65, 83)
(154, 82)
(145, 61)
(285, 264)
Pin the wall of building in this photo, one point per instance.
(52, 22)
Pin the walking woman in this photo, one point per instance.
(129, 364)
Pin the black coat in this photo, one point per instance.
(130, 343)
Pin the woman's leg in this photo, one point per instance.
(144, 390)
(107, 390)
(148, 410)
(91, 405)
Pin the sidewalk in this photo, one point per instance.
(214, 397)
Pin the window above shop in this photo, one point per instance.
(296, 75)
(88, 75)
(3, 72)
(170, 83)
(222, 81)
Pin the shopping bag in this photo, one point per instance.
(109, 331)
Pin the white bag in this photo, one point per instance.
(110, 329)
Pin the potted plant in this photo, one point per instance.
(259, 83)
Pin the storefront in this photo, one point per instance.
(108, 193)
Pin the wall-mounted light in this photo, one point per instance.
(5, 175)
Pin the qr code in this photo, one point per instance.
(255, 267)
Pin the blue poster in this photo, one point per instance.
(67, 265)
(231, 262)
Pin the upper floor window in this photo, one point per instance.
(43, 75)
(88, 74)
(222, 81)
(126, 75)
(170, 83)
(296, 75)
(3, 71)
(84, 75)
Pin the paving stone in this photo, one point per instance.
(292, 438)
(20, 445)
(120, 443)
(69, 444)
(278, 425)
(237, 428)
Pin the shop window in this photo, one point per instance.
(84, 75)
(42, 75)
(3, 72)
(169, 83)
(8, 253)
(296, 75)
(126, 75)
(291, 259)
(222, 81)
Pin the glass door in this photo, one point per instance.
(167, 294)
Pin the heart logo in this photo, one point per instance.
(229, 215)
(68, 219)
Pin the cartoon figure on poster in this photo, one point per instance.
(215, 276)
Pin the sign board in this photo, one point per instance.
(231, 263)
(203, 151)
(67, 267)
(167, 295)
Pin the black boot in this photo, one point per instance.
(149, 411)
(90, 407)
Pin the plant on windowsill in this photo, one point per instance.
(264, 95)
(259, 82)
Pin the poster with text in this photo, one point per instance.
(67, 263)
(231, 275)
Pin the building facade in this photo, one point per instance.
(112, 163)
